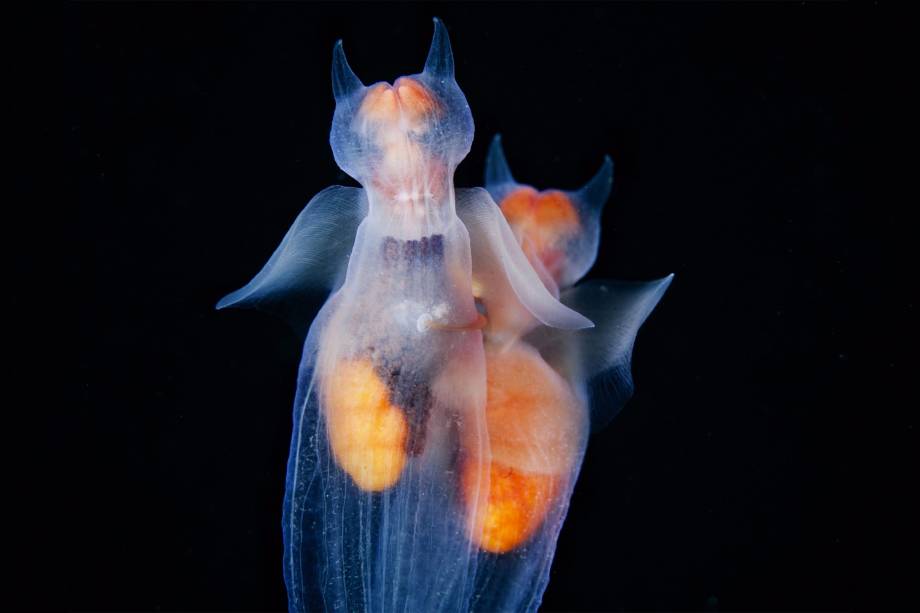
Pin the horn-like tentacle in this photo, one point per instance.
(440, 62)
(344, 80)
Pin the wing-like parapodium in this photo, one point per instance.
(309, 262)
(512, 291)
(601, 356)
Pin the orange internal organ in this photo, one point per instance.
(543, 220)
(415, 99)
(393, 114)
(367, 433)
(406, 98)
(535, 427)
(380, 104)
(516, 505)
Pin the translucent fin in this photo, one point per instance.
(311, 259)
(508, 282)
(601, 356)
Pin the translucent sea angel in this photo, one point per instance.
(447, 385)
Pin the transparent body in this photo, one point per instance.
(444, 397)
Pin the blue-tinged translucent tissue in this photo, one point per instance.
(444, 396)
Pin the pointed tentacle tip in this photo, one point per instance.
(344, 80)
(597, 190)
(496, 151)
(497, 169)
(439, 28)
(440, 61)
(604, 174)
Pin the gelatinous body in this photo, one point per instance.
(535, 428)
(445, 394)
(367, 432)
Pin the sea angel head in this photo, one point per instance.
(559, 230)
(403, 138)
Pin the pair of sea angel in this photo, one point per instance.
(448, 383)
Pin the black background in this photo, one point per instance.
(199, 131)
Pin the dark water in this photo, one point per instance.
(732, 479)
